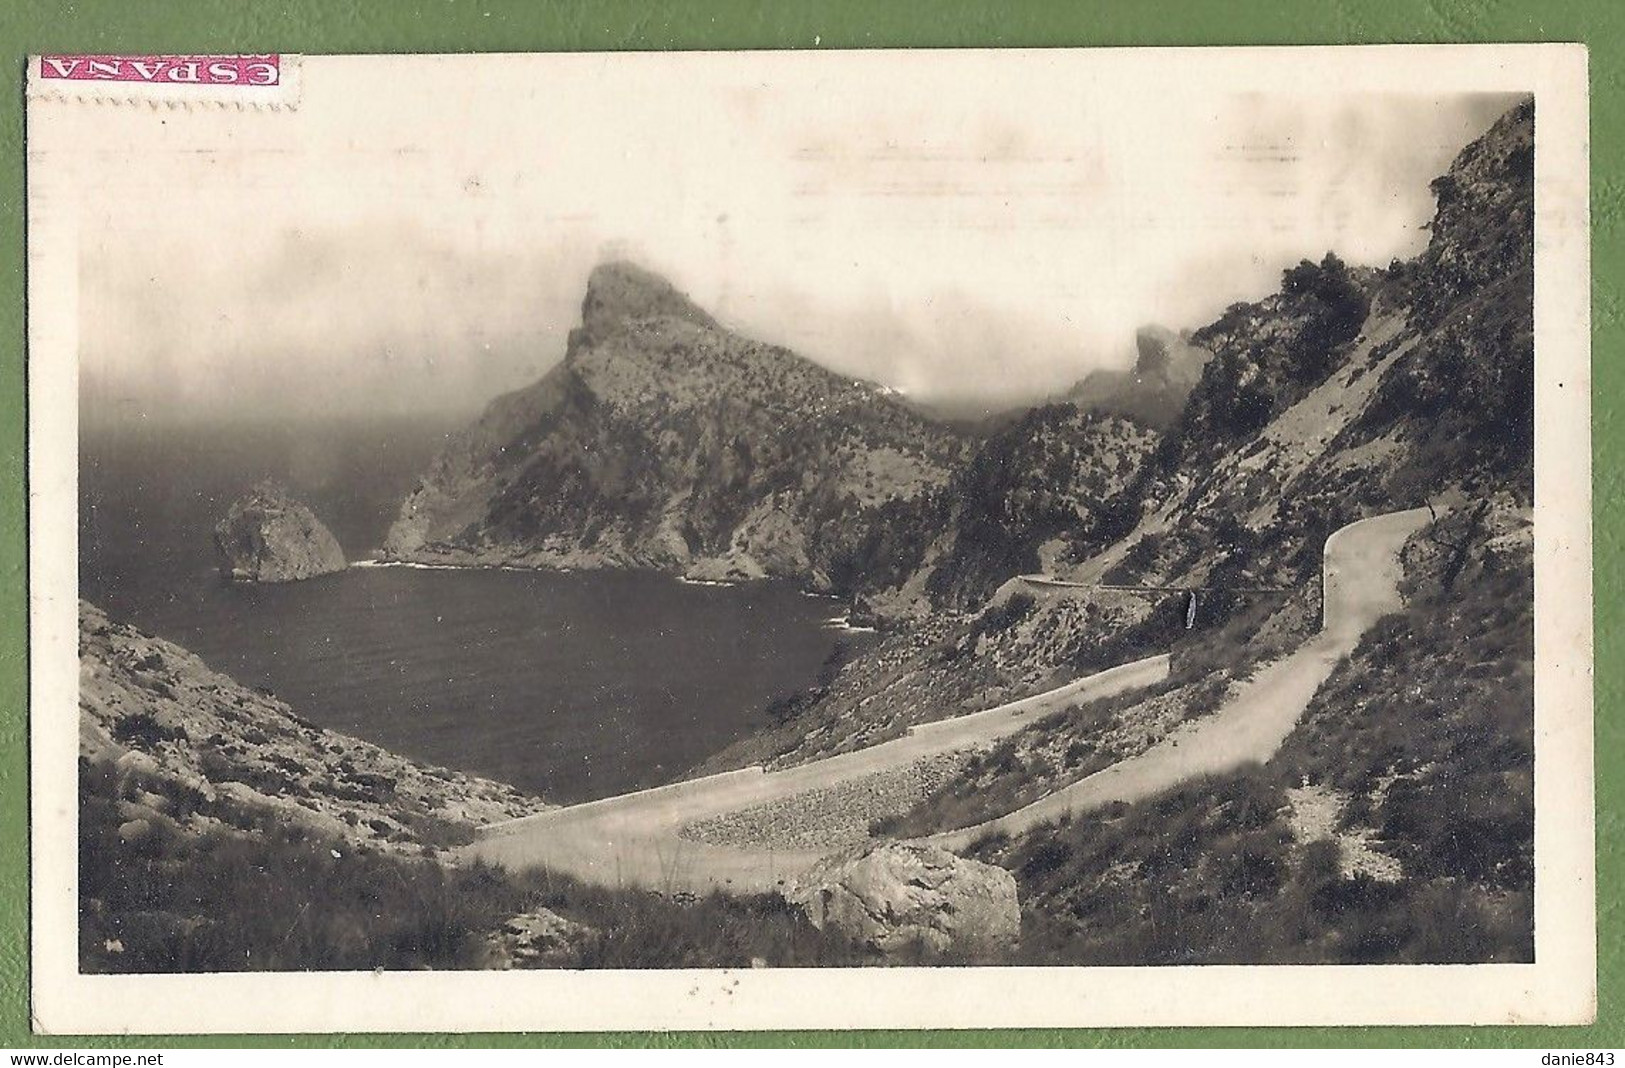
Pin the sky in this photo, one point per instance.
(416, 236)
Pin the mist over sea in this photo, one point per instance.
(573, 686)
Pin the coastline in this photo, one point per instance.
(842, 622)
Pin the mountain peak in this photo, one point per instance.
(1151, 344)
(620, 292)
(1168, 355)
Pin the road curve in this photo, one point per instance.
(634, 840)
(1360, 574)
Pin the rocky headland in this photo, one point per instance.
(665, 441)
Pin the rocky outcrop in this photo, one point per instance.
(665, 441)
(620, 293)
(540, 938)
(267, 536)
(191, 750)
(899, 896)
(1033, 489)
(1167, 367)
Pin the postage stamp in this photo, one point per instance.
(264, 80)
(853, 539)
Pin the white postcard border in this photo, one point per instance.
(1558, 988)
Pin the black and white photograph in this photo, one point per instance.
(1031, 525)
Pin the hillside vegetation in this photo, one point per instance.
(1396, 824)
(266, 894)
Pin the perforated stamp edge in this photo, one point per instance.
(269, 81)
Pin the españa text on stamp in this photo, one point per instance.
(249, 80)
(170, 70)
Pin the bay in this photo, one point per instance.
(570, 685)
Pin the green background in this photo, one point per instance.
(313, 26)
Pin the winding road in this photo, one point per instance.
(635, 840)
(1361, 573)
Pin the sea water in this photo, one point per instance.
(571, 685)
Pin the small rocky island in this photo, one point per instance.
(268, 536)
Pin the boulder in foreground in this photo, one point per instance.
(540, 938)
(899, 895)
(267, 536)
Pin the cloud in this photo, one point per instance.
(406, 243)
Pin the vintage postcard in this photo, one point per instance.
(810, 539)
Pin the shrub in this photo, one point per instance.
(1335, 309)
(142, 730)
(1001, 617)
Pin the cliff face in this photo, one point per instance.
(267, 536)
(1355, 391)
(664, 440)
